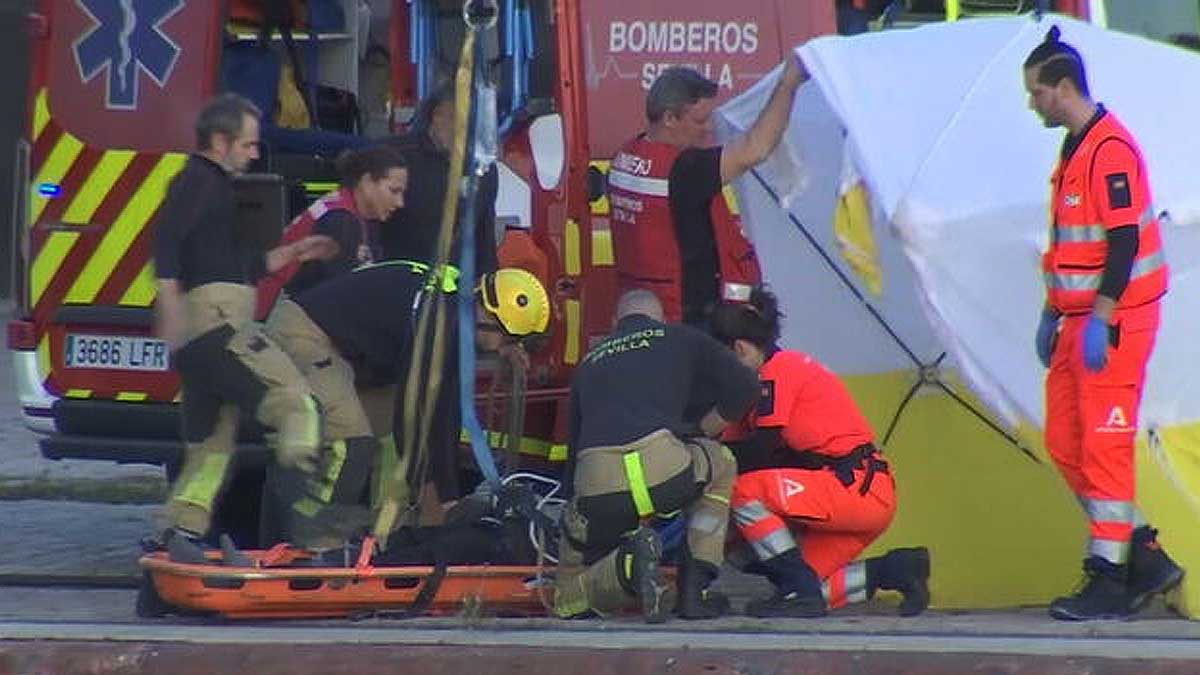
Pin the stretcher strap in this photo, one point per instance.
(637, 484)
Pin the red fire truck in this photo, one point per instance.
(114, 93)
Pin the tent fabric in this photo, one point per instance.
(933, 122)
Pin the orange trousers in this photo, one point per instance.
(1091, 423)
(774, 508)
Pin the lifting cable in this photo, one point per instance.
(929, 373)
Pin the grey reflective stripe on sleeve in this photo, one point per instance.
(778, 542)
(1090, 281)
(643, 185)
(1109, 510)
(1115, 552)
(750, 513)
(1076, 234)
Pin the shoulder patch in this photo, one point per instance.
(766, 398)
(1119, 196)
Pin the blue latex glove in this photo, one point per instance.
(1095, 344)
(1047, 336)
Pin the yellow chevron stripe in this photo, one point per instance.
(64, 154)
(49, 258)
(570, 246)
(141, 292)
(128, 225)
(41, 114)
(132, 396)
(43, 357)
(602, 248)
(600, 206)
(731, 199)
(103, 177)
(79, 393)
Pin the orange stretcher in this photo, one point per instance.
(276, 587)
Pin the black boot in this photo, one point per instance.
(797, 589)
(1151, 570)
(1103, 596)
(905, 570)
(184, 547)
(696, 600)
(637, 570)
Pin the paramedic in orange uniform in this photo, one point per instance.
(812, 490)
(1105, 276)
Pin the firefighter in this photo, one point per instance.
(672, 230)
(204, 312)
(372, 187)
(631, 455)
(812, 491)
(359, 326)
(1105, 277)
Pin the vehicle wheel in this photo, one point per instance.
(150, 604)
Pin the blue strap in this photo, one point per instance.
(466, 303)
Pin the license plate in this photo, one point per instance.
(116, 352)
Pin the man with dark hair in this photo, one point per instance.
(673, 234)
(1105, 277)
(204, 311)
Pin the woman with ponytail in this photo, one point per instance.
(812, 490)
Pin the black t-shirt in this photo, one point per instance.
(411, 232)
(195, 240)
(642, 378)
(695, 181)
(347, 230)
(368, 315)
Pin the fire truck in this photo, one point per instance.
(114, 94)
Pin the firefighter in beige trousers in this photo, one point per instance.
(632, 456)
(204, 310)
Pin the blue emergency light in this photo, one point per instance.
(49, 190)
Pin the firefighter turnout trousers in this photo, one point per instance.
(835, 522)
(615, 489)
(230, 368)
(1091, 423)
(321, 509)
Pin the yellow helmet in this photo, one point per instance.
(516, 298)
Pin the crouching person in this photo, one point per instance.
(812, 489)
(631, 456)
(363, 323)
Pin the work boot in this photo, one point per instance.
(696, 600)
(905, 570)
(1103, 594)
(1151, 570)
(797, 589)
(184, 547)
(638, 567)
(231, 556)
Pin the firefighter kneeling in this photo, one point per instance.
(631, 456)
(808, 466)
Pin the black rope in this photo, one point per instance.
(928, 372)
(838, 271)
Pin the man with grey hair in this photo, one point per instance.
(204, 312)
(672, 232)
(632, 456)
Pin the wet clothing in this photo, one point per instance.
(411, 233)
(810, 477)
(1105, 239)
(194, 236)
(631, 455)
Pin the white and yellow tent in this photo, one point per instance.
(913, 182)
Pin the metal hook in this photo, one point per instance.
(481, 14)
